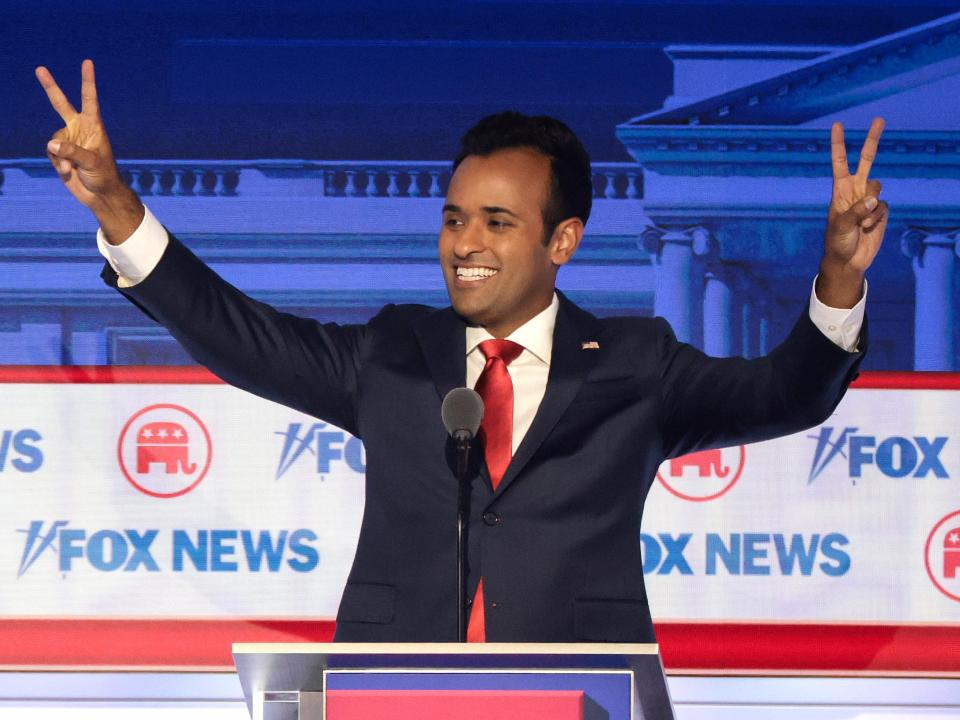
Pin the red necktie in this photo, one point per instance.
(496, 389)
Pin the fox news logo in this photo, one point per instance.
(127, 550)
(328, 446)
(893, 456)
(19, 450)
(747, 554)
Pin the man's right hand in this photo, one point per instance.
(81, 155)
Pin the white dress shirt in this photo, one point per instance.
(136, 257)
(528, 371)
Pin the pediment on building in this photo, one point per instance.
(779, 126)
(876, 73)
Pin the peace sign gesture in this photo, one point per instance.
(81, 155)
(856, 220)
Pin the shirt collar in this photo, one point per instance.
(535, 335)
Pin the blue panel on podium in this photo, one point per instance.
(608, 693)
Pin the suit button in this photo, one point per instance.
(491, 518)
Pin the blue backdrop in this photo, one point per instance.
(303, 148)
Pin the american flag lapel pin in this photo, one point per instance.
(590, 345)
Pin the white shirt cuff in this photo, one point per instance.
(138, 255)
(840, 325)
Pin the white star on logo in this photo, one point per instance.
(178, 433)
(162, 433)
(954, 538)
(147, 433)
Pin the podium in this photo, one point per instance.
(430, 681)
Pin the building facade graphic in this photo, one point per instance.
(716, 223)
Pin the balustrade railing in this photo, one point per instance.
(611, 181)
(385, 179)
(180, 180)
(345, 179)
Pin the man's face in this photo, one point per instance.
(498, 271)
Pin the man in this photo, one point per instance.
(580, 412)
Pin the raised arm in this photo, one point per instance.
(298, 362)
(856, 221)
(81, 154)
(713, 402)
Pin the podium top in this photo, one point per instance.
(445, 649)
(287, 667)
(279, 671)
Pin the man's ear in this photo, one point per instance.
(565, 240)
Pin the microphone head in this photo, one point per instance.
(462, 410)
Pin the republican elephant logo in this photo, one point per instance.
(703, 475)
(164, 450)
(707, 462)
(951, 553)
(942, 555)
(166, 443)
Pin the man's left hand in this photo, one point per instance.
(856, 221)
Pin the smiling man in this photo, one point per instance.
(580, 411)
(508, 224)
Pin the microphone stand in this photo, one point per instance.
(463, 438)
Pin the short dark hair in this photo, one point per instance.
(571, 179)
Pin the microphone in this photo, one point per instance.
(462, 411)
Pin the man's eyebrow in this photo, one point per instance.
(489, 209)
(493, 209)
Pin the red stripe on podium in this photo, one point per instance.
(145, 643)
(699, 647)
(883, 380)
(196, 375)
(108, 374)
(802, 647)
(447, 704)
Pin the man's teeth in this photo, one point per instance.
(477, 273)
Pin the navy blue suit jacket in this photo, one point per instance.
(558, 542)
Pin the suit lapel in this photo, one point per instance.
(569, 365)
(443, 339)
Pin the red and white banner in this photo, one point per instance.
(154, 515)
(854, 521)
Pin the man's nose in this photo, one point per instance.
(469, 240)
